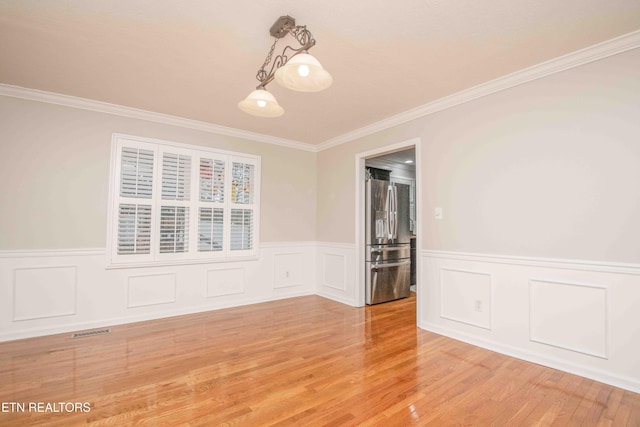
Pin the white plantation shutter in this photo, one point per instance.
(210, 229)
(242, 183)
(136, 173)
(134, 229)
(173, 203)
(176, 176)
(174, 207)
(174, 229)
(134, 208)
(241, 229)
(211, 204)
(212, 180)
(242, 215)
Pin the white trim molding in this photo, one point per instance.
(571, 264)
(360, 208)
(46, 253)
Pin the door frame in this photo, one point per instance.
(360, 159)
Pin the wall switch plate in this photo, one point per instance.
(438, 213)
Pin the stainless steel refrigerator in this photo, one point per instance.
(387, 250)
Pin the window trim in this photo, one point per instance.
(193, 256)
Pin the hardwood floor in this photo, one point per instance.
(304, 361)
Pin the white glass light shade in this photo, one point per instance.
(262, 104)
(303, 73)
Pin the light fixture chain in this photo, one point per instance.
(262, 73)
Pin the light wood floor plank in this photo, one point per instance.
(304, 361)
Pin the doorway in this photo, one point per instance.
(402, 161)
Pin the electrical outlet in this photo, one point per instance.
(478, 306)
(437, 213)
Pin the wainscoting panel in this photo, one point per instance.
(288, 270)
(572, 316)
(48, 292)
(151, 289)
(336, 272)
(577, 316)
(334, 269)
(465, 296)
(225, 281)
(43, 292)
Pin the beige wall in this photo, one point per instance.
(546, 169)
(54, 169)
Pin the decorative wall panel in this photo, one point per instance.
(333, 269)
(288, 270)
(465, 296)
(572, 316)
(225, 281)
(41, 292)
(151, 289)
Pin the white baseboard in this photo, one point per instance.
(337, 298)
(628, 383)
(81, 326)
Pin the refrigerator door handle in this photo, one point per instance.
(393, 248)
(395, 212)
(389, 265)
(388, 207)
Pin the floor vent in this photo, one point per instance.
(91, 333)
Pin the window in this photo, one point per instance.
(173, 203)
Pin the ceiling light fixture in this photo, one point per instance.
(293, 68)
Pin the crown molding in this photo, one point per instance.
(580, 57)
(119, 110)
(593, 53)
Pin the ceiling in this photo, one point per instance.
(198, 59)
